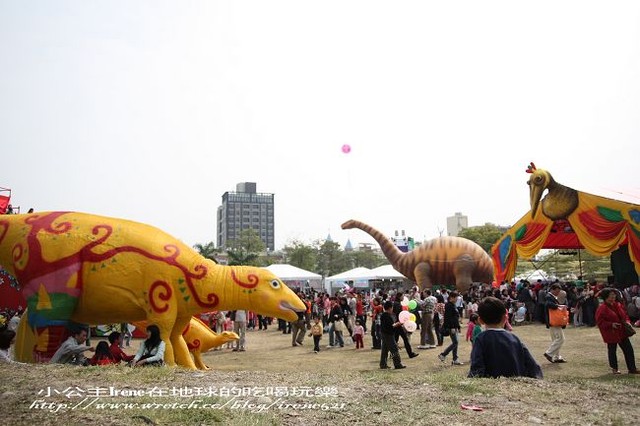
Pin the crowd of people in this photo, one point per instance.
(345, 319)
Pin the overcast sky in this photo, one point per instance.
(151, 110)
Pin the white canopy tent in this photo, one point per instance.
(296, 277)
(386, 272)
(364, 278)
(534, 275)
(356, 277)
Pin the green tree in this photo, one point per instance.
(301, 255)
(246, 249)
(565, 264)
(331, 260)
(366, 258)
(485, 236)
(207, 250)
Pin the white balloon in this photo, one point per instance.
(410, 326)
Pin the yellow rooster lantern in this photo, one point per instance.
(567, 218)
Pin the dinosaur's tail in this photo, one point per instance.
(391, 252)
(25, 340)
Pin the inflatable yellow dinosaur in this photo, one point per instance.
(200, 339)
(88, 269)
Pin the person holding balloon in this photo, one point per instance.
(388, 327)
(401, 305)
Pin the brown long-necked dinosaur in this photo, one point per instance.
(444, 260)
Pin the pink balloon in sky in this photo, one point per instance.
(346, 148)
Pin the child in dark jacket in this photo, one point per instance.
(497, 352)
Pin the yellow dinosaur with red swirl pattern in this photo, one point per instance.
(88, 269)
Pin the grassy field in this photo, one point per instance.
(273, 383)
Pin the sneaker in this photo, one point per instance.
(413, 355)
(441, 357)
(400, 367)
(331, 346)
(315, 352)
(456, 362)
(616, 371)
(299, 343)
(560, 360)
(431, 346)
(294, 344)
(235, 349)
(548, 357)
(422, 346)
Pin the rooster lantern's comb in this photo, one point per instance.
(531, 168)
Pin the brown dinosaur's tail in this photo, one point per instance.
(391, 252)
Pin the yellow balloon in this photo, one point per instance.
(412, 317)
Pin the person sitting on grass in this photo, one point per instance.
(151, 351)
(115, 339)
(71, 350)
(102, 355)
(496, 352)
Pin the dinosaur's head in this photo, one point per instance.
(228, 336)
(538, 182)
(260, 291)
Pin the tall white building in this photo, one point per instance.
(456, 223)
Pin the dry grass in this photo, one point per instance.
(427, 392)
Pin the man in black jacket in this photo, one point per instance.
(400, 331)
(388, 326)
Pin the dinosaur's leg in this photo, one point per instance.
(422, 272)
(180, 349)
(197, 357)
(463, 270)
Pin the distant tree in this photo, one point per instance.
(207, 250)
(485, 236)
(301, 255)
(366, 258)
(565, 264)
(246, 249)
(331, 260)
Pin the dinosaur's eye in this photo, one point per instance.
(275, 284)
(538, 180)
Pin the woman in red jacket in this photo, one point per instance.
(610, 318)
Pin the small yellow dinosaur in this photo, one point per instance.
(200, 338)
